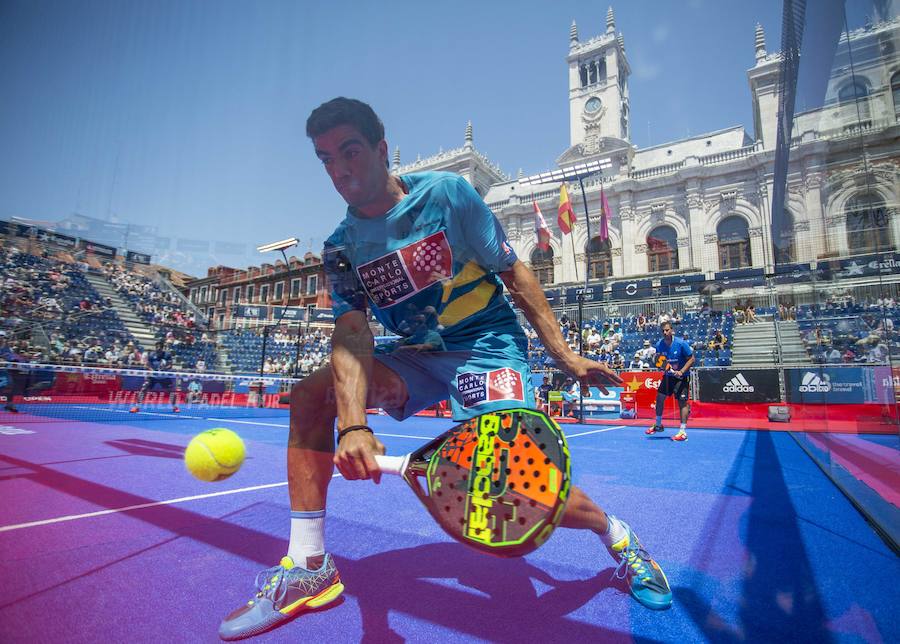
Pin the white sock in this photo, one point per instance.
(307, 536)
(615, 532)
(683, 427)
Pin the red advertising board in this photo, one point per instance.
(645, 385)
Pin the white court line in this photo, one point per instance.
(596, 431)
(184, 499)
(141, 506)
(248, 422)
(146, 413)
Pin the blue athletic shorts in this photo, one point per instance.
(475, 380)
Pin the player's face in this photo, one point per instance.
(668, 333)
(357, 169)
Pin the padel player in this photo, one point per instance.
(159, 360)
(675, 356)
(408, 243)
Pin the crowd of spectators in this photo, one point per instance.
(245, 352)
(152, 303)
(629, 342)
(51, 310)
(842, 331)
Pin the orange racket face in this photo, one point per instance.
(498, 482)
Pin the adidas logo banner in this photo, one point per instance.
(832, 385)
(739, 386)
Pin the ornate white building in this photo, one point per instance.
(703, 204)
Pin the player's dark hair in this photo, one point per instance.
(345, 111)
(665, 324)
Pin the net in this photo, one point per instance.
(49, 393)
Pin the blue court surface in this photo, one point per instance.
(105, 538)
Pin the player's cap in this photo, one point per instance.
(646, 343)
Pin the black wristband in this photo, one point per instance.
(353, 428)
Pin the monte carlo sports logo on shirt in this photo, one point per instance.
(396, 276)
(499, 384)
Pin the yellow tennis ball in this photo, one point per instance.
(214, 455)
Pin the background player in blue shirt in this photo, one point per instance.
(408, 245)
(159, 360)
(675, 357)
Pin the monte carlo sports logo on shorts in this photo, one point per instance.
(402, 273)
(499, 384)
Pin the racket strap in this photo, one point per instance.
(353, 428)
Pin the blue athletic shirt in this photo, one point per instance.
(437, 252)
(159, 360)
(677, 354)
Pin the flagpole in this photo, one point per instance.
(587, 275)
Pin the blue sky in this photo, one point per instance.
(189, 116)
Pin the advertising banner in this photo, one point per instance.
(291, 314)
(738, 385)
(633, 290)
(591, 294)
(98, 249)
(252, 312)
(136, 257)
(836, 385)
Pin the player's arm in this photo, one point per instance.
(351, 362)
(528, 295)
(687, 365)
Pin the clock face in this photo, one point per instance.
(592, 105)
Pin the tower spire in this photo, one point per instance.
(469, 137)
(396, 163)
(760, 42)
(610, 21)
(573, 34)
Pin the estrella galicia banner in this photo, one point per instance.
(136, 257)
(632, 290)
(867, 265)
(833, 385)
(253, 312)
(739, 385)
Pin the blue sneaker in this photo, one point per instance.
(282, 592)
(646, 580)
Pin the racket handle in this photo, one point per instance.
(392, 464)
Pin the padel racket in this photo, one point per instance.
(498, 482)
(662, 363)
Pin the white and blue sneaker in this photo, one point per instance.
(282, 592)
(646, 580)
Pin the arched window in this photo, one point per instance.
(785, 240)
(542, 265)
(583, 72)
(895, 92)
(867, 224)
(662, 249)
(734, 243)
(857, 91)
(599, 259)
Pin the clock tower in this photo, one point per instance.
(598, 89)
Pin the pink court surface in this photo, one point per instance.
(104, 537)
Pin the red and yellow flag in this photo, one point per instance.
(566, 216)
